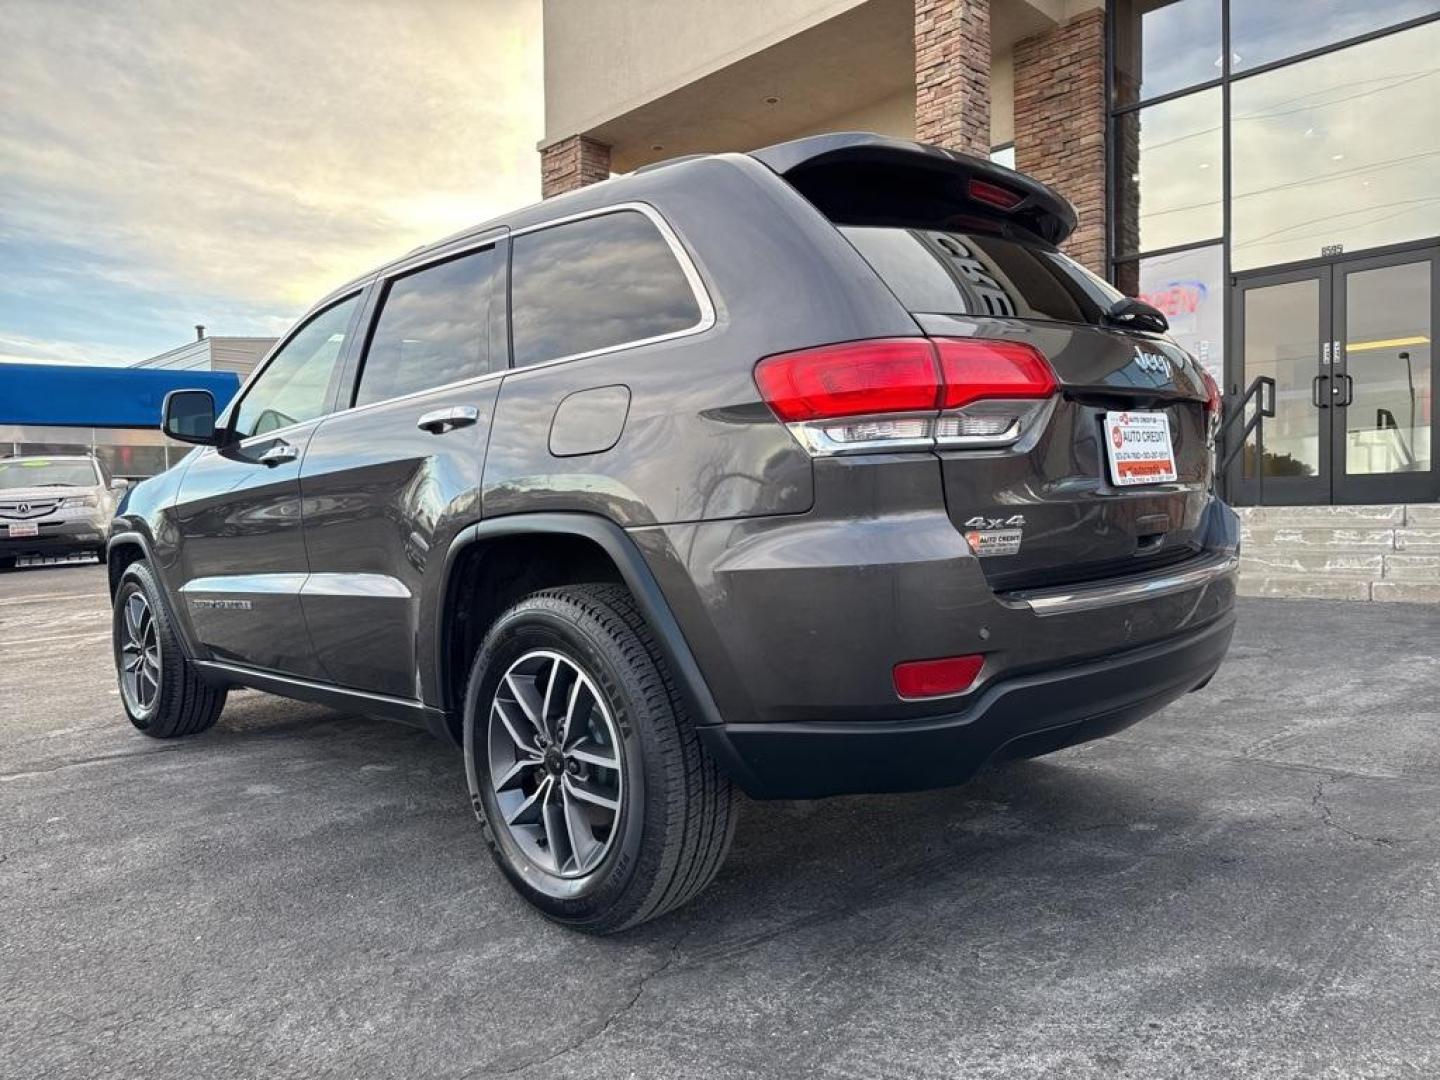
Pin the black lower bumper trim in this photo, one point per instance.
(1013, 718)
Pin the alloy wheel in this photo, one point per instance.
(140, 654)
(555, 764)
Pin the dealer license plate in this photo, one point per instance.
(18, 531)
(1139, 448)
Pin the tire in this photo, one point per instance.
(8, 562)
(676, 810)
(167, 698)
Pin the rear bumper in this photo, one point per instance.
(1018, 716)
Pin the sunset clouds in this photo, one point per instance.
(184, 161)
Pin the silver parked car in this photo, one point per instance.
(55, 505)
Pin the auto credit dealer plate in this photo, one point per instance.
(1139, 448)
(17, 531)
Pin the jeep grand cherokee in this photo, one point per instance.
(813, 470)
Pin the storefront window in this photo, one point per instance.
(1186, 286)
(1168, 166)
(1337, 150)
(1262, 31)
(1164, 45)
(129, 452)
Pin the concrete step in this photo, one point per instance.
(1406, 592)
(1412, 568)
(1417, 540)
(1303, 587)
(1425, 517)
(1284, 540)
(1368, 567)
(1323, 516)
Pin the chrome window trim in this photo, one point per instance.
(687, 266)
(682, 257)
(491, 238)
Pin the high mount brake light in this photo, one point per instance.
(1002, 198)
(907, 393)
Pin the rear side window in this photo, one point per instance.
(594, 284)
(434, 328)
(954, 273)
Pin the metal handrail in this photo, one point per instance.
(1385, 421)
(1255, 423)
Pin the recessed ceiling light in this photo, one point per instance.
(1337, 157)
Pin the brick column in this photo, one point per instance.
(572, 163)
(952, 74)
(1060, 123)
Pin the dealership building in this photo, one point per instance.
(1263, 171)
(114, 412)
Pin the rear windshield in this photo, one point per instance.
(961, 273)
(39, 472)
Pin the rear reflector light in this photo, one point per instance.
(937, 678)
(908, 393)
(1003, 198)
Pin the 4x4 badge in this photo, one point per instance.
(1014, 521)
(987, 536)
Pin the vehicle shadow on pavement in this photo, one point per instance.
(794, 864)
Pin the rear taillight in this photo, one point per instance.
(908, 393)
(1212, 394)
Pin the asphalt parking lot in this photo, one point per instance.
(1246, 886)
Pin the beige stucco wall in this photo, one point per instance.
(1002, 98)
(894, 116)
(605, 57)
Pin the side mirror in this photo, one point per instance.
(1137, 315)
(189, 416)
(119, 484)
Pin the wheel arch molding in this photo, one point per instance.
(623, 556)
(131, 546)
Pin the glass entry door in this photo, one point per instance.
(1349, 346)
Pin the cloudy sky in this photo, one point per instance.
(171, 162)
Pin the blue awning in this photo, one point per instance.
(66, 395)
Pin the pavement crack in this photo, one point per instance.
(1327, 817)
(95, 759)
(600, 1031)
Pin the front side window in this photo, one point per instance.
(594, 284)
(434, 329)
(294, 387)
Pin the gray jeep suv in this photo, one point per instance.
(809, 471)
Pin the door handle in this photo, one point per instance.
(1349, 391)
(1316, 393)
(279, 454)
(439, 421)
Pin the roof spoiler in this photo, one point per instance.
(1038, 209)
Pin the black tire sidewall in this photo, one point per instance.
(545, 623)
